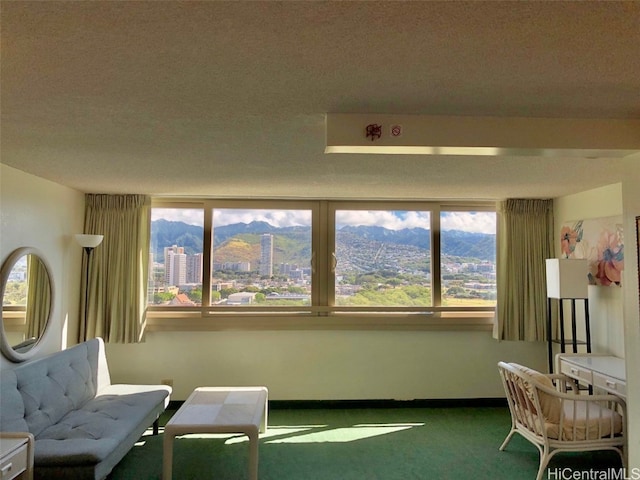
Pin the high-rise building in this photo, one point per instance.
(194, 268)
(175, 265)
(266, 254)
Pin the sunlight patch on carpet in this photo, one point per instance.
(276, 432)
(232, 438)
(347, 434)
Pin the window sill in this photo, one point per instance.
(194, 321)
(14, 321)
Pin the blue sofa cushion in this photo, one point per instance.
(90, 434)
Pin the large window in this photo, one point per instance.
(176, 257)
(382, 258)
(468, 258)
(261, 257)
(321, 259)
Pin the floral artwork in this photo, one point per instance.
(601, 242)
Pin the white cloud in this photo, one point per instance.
(191, 216)
(392, 220)
(477, 222)
(277, 218)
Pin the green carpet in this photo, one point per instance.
(361, 444)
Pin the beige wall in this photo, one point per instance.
(605, 303)
(42, 214)
(327, 365)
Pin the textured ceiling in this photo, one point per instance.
(228, 98)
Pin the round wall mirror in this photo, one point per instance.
(27, 291)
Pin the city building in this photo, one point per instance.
(194, 268)
(241, 298)
(266, 255)
(175, 265)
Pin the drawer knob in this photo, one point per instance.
(7, 468)
(574, 370)
(611, 384)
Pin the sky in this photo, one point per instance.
(477, 222)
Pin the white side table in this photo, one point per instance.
(16, 455)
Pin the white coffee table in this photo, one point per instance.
(219, 410)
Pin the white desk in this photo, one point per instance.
(219, 410)
(605, 372)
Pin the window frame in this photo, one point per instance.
(322, 313)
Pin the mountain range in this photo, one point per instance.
(294, 242)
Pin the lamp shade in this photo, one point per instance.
(88, 241)
(567, 278)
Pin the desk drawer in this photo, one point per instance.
(14, 464)
(613, 385)
(574, 371)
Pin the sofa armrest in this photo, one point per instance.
(103, 379)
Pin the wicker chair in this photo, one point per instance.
(551, 412)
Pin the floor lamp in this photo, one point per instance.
(567, 279)
(88, 242)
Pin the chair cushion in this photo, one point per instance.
(591, 422)
(550, 405)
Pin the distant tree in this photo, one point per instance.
(394, 282)
(162, 297)
(416, 292)
(455, 291)
(15, 293)
(195, 295)
(225, 292)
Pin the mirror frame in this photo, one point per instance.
(7, 266)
